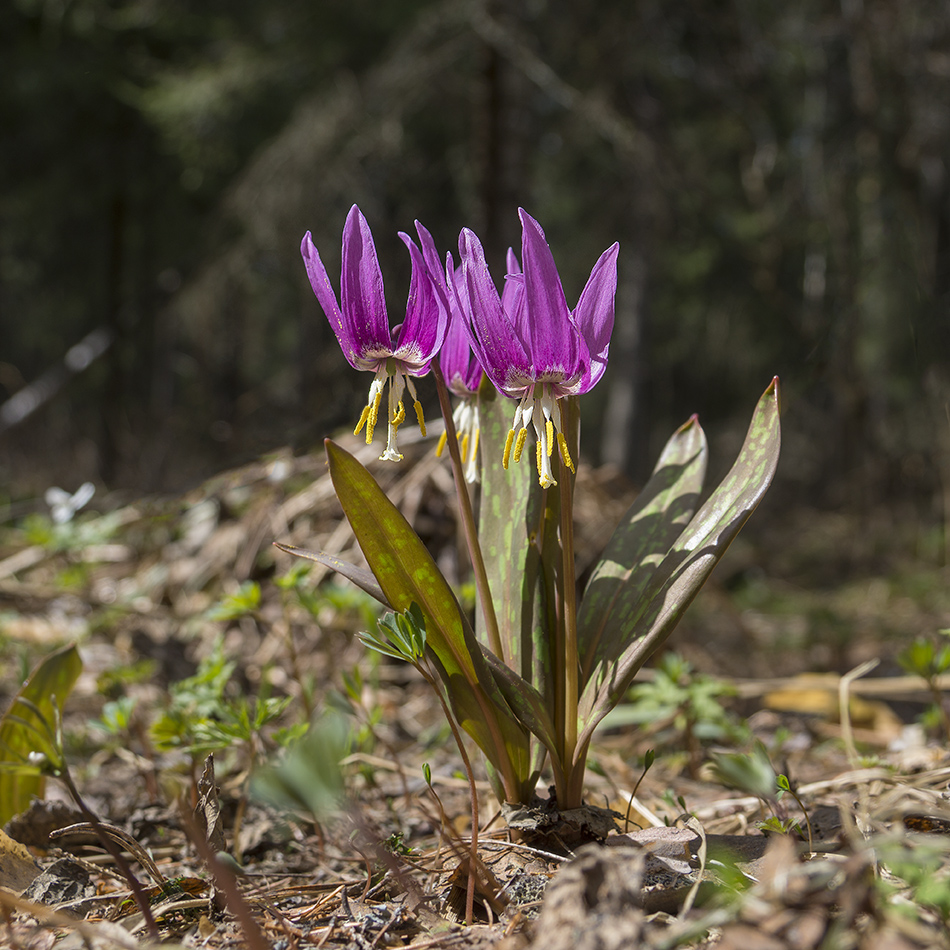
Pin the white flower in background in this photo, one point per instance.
(64, 506)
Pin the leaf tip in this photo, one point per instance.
(693, 420)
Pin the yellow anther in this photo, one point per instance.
(373, 416)
(475, 443)
(508, 441)
(399, 416)
(422, 423)
(549, 432)
(463, 448)
(442, 440)
(562, 445)
(539, 453)
(362, 422)
(519, 445)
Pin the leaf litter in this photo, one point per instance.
(152, 589)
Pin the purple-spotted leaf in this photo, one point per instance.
(28, 725)
(680, 575)
(407, 574)
(358, 575)
(525, 701)
(516, 549)
(638, 545)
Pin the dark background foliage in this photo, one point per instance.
(777, 176)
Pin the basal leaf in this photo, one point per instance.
(517, 530)
(407, 574)
(526, 702)
(638, 546)
(684, 570)
(31, 717)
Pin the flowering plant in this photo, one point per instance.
(541, 667)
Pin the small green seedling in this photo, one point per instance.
(926, 659)
(244, 602)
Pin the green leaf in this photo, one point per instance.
(407, 574)
(358, 575)
(525, 701)
(749, 772)
(639, 545)
(237, 605)
(513, 513)
(310, 777)
(679, 576)
(32, 714)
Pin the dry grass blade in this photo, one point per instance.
(119, 837)
(845, 708)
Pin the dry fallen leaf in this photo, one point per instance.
(17, 867)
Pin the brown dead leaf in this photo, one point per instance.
(17, 867)
(670, 846)
(208, 810)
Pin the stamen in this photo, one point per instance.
(373, 415)
(519, 445)
(508, 441)
(399, 416)
(463, 448)
(471, 473)
(442, 440)
(362, 422)
(422, 423)
(549, 432)
(562, 445)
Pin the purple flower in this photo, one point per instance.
(361, 324)
(463, 375)
(531, 346)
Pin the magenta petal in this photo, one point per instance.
(553, 337)
(462, 370)
(594, 314)
(433, 263)
(492, 336)
(423, 330)
(361, 290)
(326, 296)
(512, 296)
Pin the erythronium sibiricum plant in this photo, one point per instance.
(542, 666)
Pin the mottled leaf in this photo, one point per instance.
(684, 570)
(517, 531)
(407, 574)
(638, 546)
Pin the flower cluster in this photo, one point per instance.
(532, 347)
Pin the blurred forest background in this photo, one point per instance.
(778, 176)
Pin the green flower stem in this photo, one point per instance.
(467, 515)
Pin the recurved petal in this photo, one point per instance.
(362, 295)
(423, 330)
(512, 294)
(594, 314)
(431, 257)
(326, 296)
(493, 338)
(551, 335)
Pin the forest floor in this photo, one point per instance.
(204, 646)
